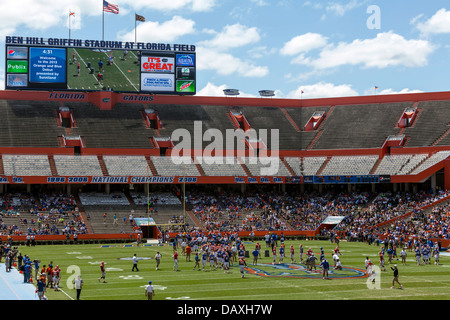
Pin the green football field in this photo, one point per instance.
(122, 75)
(261, 282)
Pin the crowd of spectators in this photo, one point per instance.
(53, 214)
(364, 214)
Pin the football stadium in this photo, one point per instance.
(129, 181)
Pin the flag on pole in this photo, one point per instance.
(140, 18)
(109, 7)
(376, 87)
(71, 13)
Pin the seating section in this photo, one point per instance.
(306, 166)
(77, 165)
(104, 200)
(127, 165)
(392, 164)
(266, 166)
(431, 161)
(159, 199)
(26, 165)
(412, 163)
(29, 124)
(431, 123)
(350, 165)
(175, 166)
(360, 126)
(221, 166)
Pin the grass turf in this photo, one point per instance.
(425, 282)
(123, 75)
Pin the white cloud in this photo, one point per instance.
(392, 91)
(303, 43)
(212, 54)
(194, 5)
(2, 80)
(387, 49)
(340, 9)
(211, 90)
(336, 8)
(226, 64)
(43, 14)
(48, 14)
(167, 31)
(438, 23)
(233, 36)
(323, 90)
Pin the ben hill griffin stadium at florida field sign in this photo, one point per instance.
(35, 63)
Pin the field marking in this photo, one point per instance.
(123, 74)
(66, 294)
(84, 63)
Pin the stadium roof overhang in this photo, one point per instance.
(106, 100)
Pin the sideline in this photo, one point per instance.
(15, 288)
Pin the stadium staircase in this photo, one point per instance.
(288, 167)
(198, 166)
(375, 166)
(290, 119)
(51, 160)
(323, 166)
(441, 137)
(151, 166)
(102, 165)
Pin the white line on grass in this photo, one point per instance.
(65, 294)
(84, 63)
(123, 74)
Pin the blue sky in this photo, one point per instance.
(325, 48)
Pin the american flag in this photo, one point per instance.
(108, 7)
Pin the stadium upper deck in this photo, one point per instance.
(107, 137)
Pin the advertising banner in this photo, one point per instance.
(157, 82)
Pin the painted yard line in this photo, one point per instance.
(84, 63)
(65, 294)
(124, 74)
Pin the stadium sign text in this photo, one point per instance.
(67, 96)
(98, 44)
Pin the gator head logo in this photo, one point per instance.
(299, 271)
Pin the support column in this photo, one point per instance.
(447, 174)
(433, 182)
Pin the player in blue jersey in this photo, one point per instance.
(418, 255)
(281, 254)
(204, 258)
(325, 267)
(197, 261)
(226, 262)
(255, 254)
(436, 255)
(322, 254)
(211, 261)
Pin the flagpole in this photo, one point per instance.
(103, 22)
(69, 23)
(135, 31)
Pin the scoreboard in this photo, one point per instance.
(99, 65)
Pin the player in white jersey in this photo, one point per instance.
(369, 269)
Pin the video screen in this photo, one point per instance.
(91, 69)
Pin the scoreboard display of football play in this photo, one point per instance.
(99, 65)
